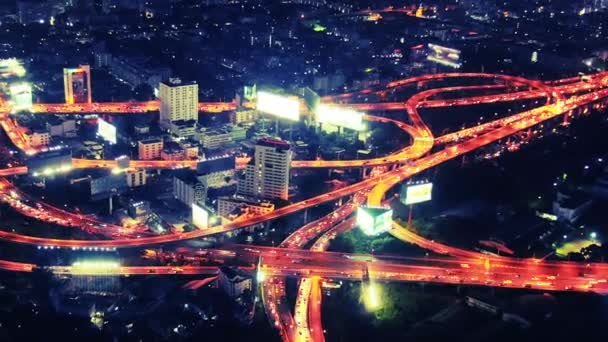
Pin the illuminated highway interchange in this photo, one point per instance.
(560, 102)
(454, 266)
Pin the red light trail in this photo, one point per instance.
(461, 267)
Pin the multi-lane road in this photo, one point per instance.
(461, 267)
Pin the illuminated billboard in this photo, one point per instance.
(106, 131)
(21, 96)
(416, 193)
(250, 92)
(373, 221)
(343, 117)
(77, 84)
(200, 216)
(11, 67)
(281, 106)
(444, 56)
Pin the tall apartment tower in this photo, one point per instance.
(178, 101)
(77, 84)
(268, 175)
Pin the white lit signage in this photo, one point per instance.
(200, 216)
(277, 105)
(106, 130)
(343, 117)
(21, 96)
(445, 56)
(417, 193)
(373, 221)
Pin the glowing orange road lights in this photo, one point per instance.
(125, 108)
(539, 275)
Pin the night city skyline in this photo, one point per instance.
(303, 170)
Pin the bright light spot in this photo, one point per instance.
(260, 277)
(96, 267)
(593, 235)
(371, 296)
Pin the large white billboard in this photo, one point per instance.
(373, 221)
(106, 131)
(278, 105)
(343, 117)
(21, 96)
(416, 193)
(200, 216)
(444, 55)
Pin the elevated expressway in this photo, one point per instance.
(420, 147)
(479, 270)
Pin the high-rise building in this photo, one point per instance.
(77, 84)
(268, 174)
(178, 101)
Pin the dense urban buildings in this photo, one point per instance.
(304, 170)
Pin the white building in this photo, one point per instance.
(178, 101)
(187, 188)
(150, 149)
(62, 127)
(268, 175)
(226, 206)
(38, 138)
(135, 178)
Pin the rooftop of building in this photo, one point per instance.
(234, 274)
(177, 82)
(187, 176)
(151, 141)
(247, 200)
(272, 142)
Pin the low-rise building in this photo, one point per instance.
(217, 172)
(38, 137)
(191, 149)
(172, 151)
(234, 282)
(150, 148)
(221, 137)
(182, 128)
(187, 188)
(60, 127)
(244, 116)
(570, 207)
(136, 178)
(234, 206)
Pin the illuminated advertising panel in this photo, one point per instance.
(373, 221)
(416, 193)
(200, 216)
(444, 56)
(343, 117)
(250, 92)
(21, 96)
(77, 84)
(278, 105)
(79, 87)
(11, 68)
(106, 131)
